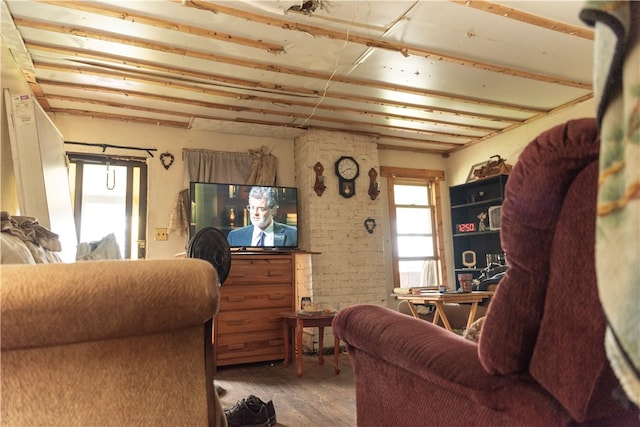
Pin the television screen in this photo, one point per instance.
(250, 216)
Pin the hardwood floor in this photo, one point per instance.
(319, 398)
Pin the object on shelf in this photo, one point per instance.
(483, 224)
(494, 217)
(469, 259)
(319, 186)
(476, 197)
(489, 168)
(374, 185)
(467, 227)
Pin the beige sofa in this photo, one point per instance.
(109, 343)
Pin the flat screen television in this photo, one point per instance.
(235, 208)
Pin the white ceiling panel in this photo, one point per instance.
(427, 75)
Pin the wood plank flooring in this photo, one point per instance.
(320, 398)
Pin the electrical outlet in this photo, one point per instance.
(161, 234)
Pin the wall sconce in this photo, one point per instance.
(319, 186)
(374, 186)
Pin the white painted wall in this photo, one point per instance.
(510, 144)
(164, 184)
(11, 78)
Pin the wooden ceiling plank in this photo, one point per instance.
(236, 95)
(208, 117)
(403, 49)
(529, 18)
(119, 117)
(119, 13)
(176, 112)
(269, 67)
(279, 89)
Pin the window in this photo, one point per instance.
(416, 227)
(109, 196)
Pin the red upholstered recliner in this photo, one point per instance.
(540, 360)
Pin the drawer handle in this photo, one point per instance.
(233, 347)
(235, 322)
(235, 299)
(276, 296)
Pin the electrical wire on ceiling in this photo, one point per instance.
(335, 70)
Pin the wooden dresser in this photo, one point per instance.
(248, 326)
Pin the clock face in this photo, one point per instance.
(347, 168)
(466, 228)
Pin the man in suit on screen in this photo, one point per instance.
(263, 231)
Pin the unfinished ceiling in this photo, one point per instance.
(432, 76)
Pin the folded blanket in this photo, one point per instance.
(29, 230)
(616, 86)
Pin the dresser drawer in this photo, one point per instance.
(251, 270)
(241, 321)
(263, 296)
(266, 345)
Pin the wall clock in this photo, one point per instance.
(347, 170)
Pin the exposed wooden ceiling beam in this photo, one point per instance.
(119, 117)
(529, 18)
(139, 66)
(177, 124)
(119, 13)
(203, 88)
(404, 49)
(116, 38)
(179, 113)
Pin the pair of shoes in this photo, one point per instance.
(271, 410)
(251, 412)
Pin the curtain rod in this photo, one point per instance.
(105, 146)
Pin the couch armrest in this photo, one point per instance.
(53, 304)
(436, 357)
(417, 346)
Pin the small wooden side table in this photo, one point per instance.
(299, 322)
(439, 299)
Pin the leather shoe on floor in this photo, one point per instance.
(256, 402)
(247, 413)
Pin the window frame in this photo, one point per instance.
(395, 176)
(81, 159)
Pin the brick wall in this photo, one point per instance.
(350, 266)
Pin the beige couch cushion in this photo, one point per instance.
(14, 251)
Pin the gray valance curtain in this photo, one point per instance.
(257, 167)
(216, 166)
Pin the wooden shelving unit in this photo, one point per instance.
(468, 201)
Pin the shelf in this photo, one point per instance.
(467, 202)
(495, 201)
(477, 233)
